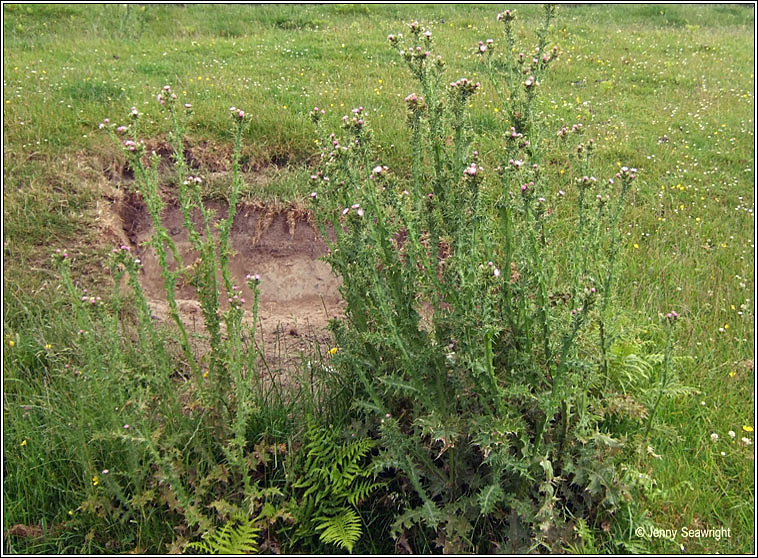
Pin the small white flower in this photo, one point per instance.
(714, 436)
(747, 441)
(732, 434)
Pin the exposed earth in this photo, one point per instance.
(299, 293)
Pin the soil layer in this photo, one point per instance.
(299, 293)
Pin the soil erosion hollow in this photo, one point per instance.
(298, 292)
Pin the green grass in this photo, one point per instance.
(666, 89)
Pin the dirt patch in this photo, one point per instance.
(299, 293)
(26, 531)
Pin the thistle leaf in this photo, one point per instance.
(489, 497)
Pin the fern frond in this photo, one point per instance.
(337, 476)
(237, 536)
(343, 530)
(362, 490)
(357, 449)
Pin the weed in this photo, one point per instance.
(482, 387)
(113, 444)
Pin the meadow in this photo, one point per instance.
(628, 424)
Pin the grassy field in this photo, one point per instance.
(666, 89)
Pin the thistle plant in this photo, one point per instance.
(226, 384)
(671, 318)
(481, 373)
(147, 178)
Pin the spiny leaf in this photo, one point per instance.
(398, 385)
(489, 496)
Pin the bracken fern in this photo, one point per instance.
(238, 536)
(335, 480)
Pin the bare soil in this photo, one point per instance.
(299, 293)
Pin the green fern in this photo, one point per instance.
(335, 472)
(238, 536)
(343, 530)
(336, 478)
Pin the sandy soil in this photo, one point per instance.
(299, 293)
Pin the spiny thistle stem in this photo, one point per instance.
(671, 319)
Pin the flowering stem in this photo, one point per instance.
(608, 282)
(148, 180)
(542, 302)
(664, 377)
